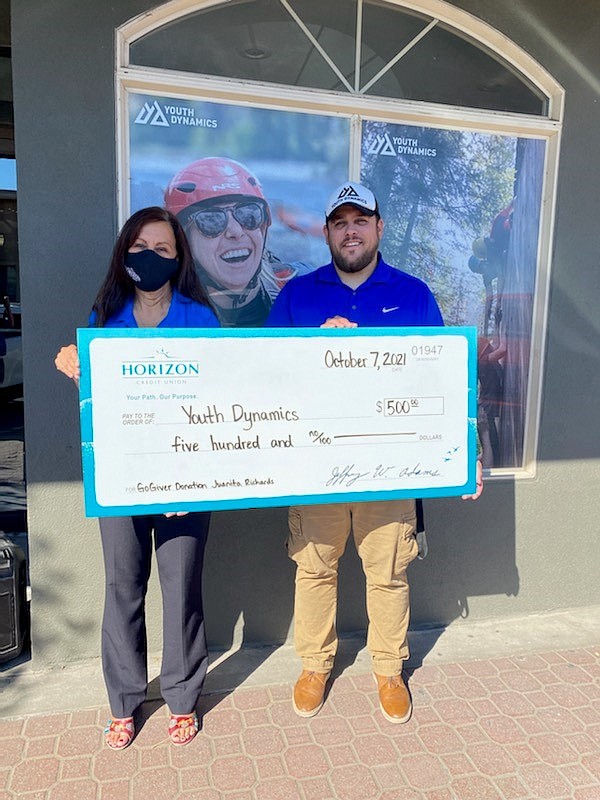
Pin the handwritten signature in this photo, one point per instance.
(349, 474)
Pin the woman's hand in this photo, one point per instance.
(67, 361)
(176, 514)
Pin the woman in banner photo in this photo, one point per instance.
(151, 282)
(226, 217)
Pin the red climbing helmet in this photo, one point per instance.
(208, 179)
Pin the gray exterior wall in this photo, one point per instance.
(525, 547)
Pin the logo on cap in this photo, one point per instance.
(348, 191)
(354, 194)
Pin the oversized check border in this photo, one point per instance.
(277, 337)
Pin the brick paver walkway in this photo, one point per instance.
(521, 727)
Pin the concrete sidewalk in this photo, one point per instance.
(502, 710)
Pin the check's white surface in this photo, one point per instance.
(264, 420)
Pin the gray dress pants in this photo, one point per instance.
(127, 546)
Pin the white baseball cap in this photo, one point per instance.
(353, 194)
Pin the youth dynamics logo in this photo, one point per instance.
(166, 115)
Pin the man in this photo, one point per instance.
(356, 288)
(223, 209)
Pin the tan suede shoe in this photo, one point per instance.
(394, 699)
(309, 693)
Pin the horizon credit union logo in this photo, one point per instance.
(160, 369)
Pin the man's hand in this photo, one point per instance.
(339, 322)
(170, 514)
(479, 480)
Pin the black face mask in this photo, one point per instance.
(148, 270)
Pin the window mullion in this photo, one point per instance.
(355, 154)
(358, 45)
(316, 44)
(399, 55)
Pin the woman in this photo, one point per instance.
(151, 282)
(226, 217)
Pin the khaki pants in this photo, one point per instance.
(384, 534)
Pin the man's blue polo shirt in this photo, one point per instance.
(388, 297)
(183, 313)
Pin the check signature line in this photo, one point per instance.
(362, 435)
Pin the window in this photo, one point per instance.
(458, 139)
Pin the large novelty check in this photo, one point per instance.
(181, 420)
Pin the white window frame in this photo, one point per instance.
(355, 105)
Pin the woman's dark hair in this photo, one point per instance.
(118, 286)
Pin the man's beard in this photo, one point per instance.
(351, 267)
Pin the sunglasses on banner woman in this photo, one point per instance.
(212, 222)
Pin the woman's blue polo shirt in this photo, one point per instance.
(183, 313)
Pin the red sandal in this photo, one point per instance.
(183, 722)
(124, 727)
